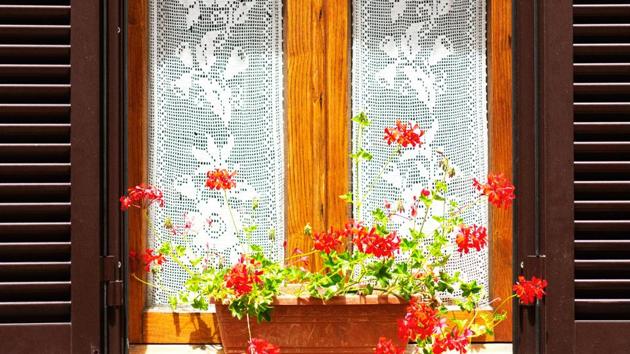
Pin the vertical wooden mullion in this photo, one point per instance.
(500, 159)
(316, 110)
(137, 135)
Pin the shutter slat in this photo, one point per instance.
(609, 72)
(607, 150)
(602, 209)
(34, 192)
(34, 14)
(602, 131)
(34, 172)
(35, 152)
(594, 288)
(34, 54)
(34, 231)
(34, 133)
(35, 34)
(34, 74)
(601, 91)
(608, 309)
(593, 190)
(599, 13)
(35, 113)
(34, 251)
(602, 268)
(34, 271)
(601, 52)
(598, 32)
(602, 170)
(36, 93)
(26, 312)
(37, 212)
(35, 291)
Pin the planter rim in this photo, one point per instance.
(350, 299)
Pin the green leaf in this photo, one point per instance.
(346, 197)
(172, 301)
(361, 119)
(361, 154)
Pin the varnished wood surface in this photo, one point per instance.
(500, 138)
(137, 136)
(317, 49)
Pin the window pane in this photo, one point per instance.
(424, 61)
(216, 102)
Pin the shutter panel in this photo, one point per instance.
(602, 175)
(50, 203)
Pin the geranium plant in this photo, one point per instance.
(357, 258)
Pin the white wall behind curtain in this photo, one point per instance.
(216, 102)
(424, 60)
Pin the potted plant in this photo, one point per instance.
(378, 288)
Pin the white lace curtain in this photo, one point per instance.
(216, 102)
(424, 60)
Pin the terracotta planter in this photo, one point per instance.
(348, 324)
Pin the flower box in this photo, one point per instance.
(344, 324)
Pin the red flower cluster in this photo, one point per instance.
(471, 237)
(421, 321)
(453, 340)
(529, 290)
(377, 245)
(385, 346)
(499, 190)
(404, 134)
(221, 179)
(261, 346)
(243, 276)
(148, 257)
(327, 241)
(141, 196)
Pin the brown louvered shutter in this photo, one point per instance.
(51, 158)
(602, 175)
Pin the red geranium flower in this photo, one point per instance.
(327, 241)
(141, 196)
(453, 340)
(499, 190)
(421, 321)
(148, 258)
(261, 346)
(529, 290)
(371, 242)
(404, 134)
(243, 276)
(221, 179)
(471, 237)
(385, 346)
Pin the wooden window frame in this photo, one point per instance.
(317, 80)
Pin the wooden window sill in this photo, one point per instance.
(488, 348)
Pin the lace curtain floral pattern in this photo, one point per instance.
(425, 61)
(216, 102)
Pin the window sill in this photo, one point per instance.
(490, 348)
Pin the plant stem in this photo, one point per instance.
(227, 205)
(301, 255)
(372, 184)
(182, 265)
(249, 329)
(161, 287)
(357, 171)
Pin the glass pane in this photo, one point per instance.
(216, 102)
(425, 61)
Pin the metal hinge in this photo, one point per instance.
(110, 275)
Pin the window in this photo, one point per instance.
(317, 96)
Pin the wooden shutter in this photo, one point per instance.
(51, 177)
(543, 118)
(602, 175)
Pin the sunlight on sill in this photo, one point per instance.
(490, 348)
